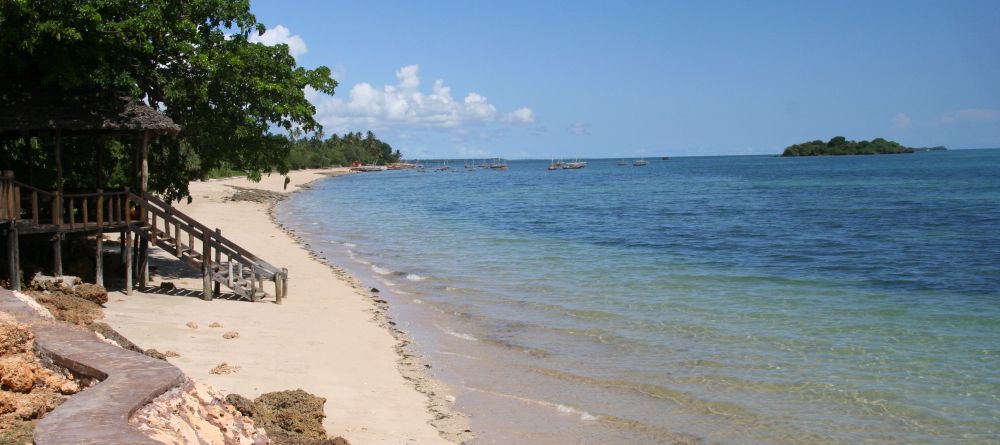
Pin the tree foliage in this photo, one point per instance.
(192, 59)
(341, 150)
(839, 145)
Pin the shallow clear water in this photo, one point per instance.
(733, 299)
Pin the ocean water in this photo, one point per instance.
(731, 300)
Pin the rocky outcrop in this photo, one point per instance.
(28, 389)
(290, 417)
(195, 413)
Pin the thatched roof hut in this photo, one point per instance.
(29, 111)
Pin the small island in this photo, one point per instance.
(839, 145)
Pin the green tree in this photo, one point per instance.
(192, 59)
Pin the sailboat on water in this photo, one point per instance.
(641, 162)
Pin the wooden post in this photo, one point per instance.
(34, 207)
(57, 140)
(127, 248)
(57, 254)
(253, 284)
(144, 214)
(143, 260)
(277, 287)
(99, 265)
(14, 258)
(218, 261)
(177, 239)
(284, 282)
(99, 208)
(206, 266)
(86, 213)
(7, 195)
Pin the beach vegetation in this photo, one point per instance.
(341, 150)
(235, 100)
(840, 145)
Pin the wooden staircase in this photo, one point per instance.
(222, 262)
(142, 220)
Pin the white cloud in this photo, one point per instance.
(522, 115)
(404, 104)
(975, 115)
(280, 34)
(901, 121)
(579, 129)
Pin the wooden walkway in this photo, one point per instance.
(142, 221)
(99, 414)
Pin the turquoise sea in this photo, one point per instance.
(731, 300)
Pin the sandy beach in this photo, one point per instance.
(330, 336)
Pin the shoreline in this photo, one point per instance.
(344, 346)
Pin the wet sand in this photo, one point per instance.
(330, 337)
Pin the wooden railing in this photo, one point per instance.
(73, 211)
(221, 260)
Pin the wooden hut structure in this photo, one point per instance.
(142, 219)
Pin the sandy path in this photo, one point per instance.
(322, 339)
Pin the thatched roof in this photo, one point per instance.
(29, 112)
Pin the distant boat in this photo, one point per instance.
(443, 167)
(665, 158)
(500, 164)
(574, 165)
(640, 162)
(555, 165)
(622, 163)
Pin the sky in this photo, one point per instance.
(567, 79)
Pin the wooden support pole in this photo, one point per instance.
(57, 269)
(284, 282)
(99, 208)
(127, 247)
(124, 246)
(14, 258)
(277, 288)
(217, 290)
(177, 239)
(57, 141)
(34, 207)
(206, 266)
(144, 214)
(253, 285)
(143, 260)
(99, 265)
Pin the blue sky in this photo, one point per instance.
(607, 79)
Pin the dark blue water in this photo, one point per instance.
(734, 299)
